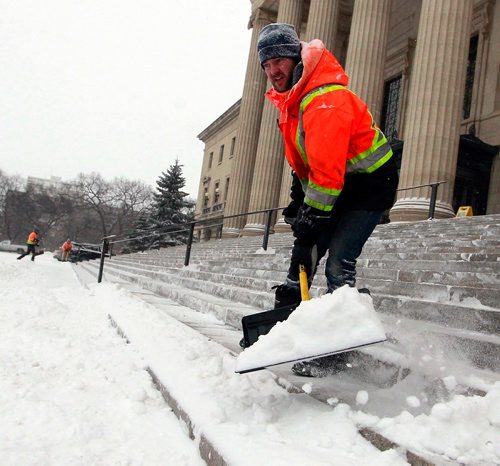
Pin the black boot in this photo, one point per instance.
(321, 367)
(286, 295)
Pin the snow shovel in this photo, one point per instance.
(255, 325)
(260, 324)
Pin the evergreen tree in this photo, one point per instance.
(171, 208)
(143, 231)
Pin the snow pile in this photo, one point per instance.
(71, 391)
(250, 418)
(333, 322)
(465, 430)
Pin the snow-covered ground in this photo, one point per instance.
(72, 392)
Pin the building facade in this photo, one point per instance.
(220, 140)
(430, 73)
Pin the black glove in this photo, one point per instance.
(309, 225)
(301, 255)
(297, 196)
(290, 212)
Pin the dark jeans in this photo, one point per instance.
(31, 250)
(343, 238)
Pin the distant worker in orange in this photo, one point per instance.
(31, 242)
(66, 249)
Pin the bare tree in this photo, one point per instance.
(132, 199)
(116, 203)
(45, 209)
(95, 193)
(7, 223)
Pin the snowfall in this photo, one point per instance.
(74, 392)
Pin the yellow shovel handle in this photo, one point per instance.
(304, 286)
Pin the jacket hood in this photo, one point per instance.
(320, 67)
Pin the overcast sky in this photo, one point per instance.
(122, 87)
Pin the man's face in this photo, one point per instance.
(279, 71)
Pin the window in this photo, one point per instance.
(497, 93)
(216, 193)
(390, 107)
(210, 159)
(205, 198)
(233, 143)
(226, 189)
(469, 77)
(221, 153)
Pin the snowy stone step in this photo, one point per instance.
(441, 287)
(431, 291)
(472, 317)
(444, 256)
(430, 283)
(444, 344)
(250, 261)
(255, 298)
(384, 244)
(442, 275)
(453, 314)
(232, 314)
(225, 310)
(466, 279)
(372, 247)
(431, 265)
(433, 231)
(488, 221)
(475, 279)
(472, 344)
(233, 279)
(281, 262)
(436, 246)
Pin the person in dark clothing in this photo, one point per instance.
(32, 243)
(344, 171)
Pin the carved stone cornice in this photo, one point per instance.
(227, 117)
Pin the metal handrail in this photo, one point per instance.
(189, 226)
(432, 201)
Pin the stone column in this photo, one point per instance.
(270, 152)
(322, 21)
(284, 199)
(432, 127)
(367, 51)
(248, 134)
(321, 24)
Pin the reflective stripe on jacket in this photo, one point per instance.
(327, 129)
(32, 238)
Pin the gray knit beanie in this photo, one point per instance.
(278, 40)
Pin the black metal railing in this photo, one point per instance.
(189, 227)
(432, 201)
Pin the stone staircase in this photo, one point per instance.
(436, 285)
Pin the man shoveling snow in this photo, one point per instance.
(344, 172)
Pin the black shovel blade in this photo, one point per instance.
(255, 325)
(306, 357)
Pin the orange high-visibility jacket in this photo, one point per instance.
(66, 247)
(32, 238)
(327, 129)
